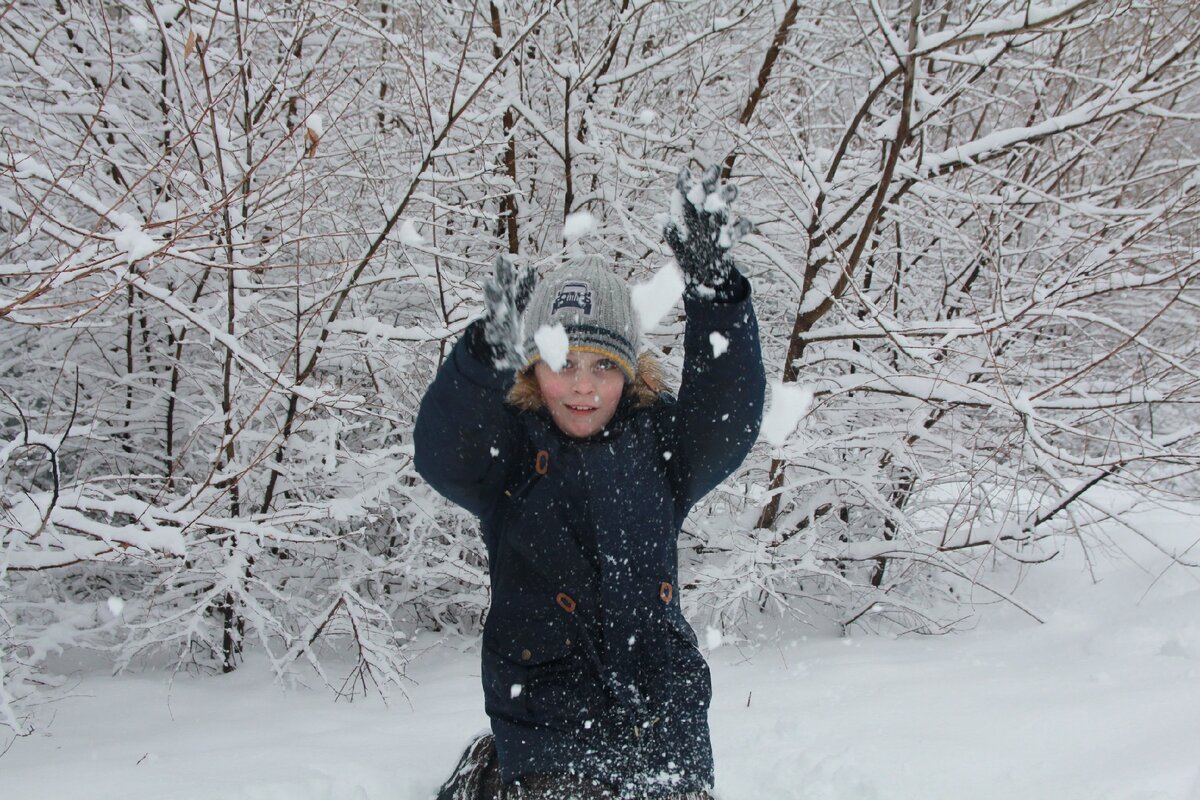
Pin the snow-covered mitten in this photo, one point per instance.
(495, 338)
(702, 231)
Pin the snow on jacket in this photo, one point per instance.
(588, 663)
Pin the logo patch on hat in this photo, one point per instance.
(574, 295)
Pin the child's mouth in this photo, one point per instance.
(581, 410)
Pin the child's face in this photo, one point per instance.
(582, 396)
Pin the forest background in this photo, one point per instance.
(238, 237)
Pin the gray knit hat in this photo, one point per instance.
(593, 306)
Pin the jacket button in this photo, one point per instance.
(526, 655)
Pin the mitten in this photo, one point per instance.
(495, 338)
(701, 246)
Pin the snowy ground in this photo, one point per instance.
(1102, 702)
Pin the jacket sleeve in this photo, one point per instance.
(717, 417)
(465, 436)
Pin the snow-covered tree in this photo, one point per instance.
(238, 238)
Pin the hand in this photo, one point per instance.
(709, 231)
(495, 338)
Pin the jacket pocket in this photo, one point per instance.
(677, 623)
(504, 688)
(686, 682)
(536, 671)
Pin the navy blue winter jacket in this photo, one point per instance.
(588, 663)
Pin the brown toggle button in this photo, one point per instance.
(565, 602)
(526, 655)
(542, 463)
(666, 592)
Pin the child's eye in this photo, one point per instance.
(605, 364)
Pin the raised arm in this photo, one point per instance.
(465, 436)
(717, 417)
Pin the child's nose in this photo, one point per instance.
(583, 380)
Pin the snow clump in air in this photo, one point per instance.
(115, 606)
(578, 224)
(134, 242)
(713, 638)
(553, 345)
(653, 299)
(719, 344)
(409, 235)
(788, 404)
(316, 124)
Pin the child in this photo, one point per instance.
(581, 473)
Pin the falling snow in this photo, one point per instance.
(786, 405)
(719, 344)
(713, 638)
(409, 234)
(134, 242)
(553, 345)
(655, 298)
(579, 224)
